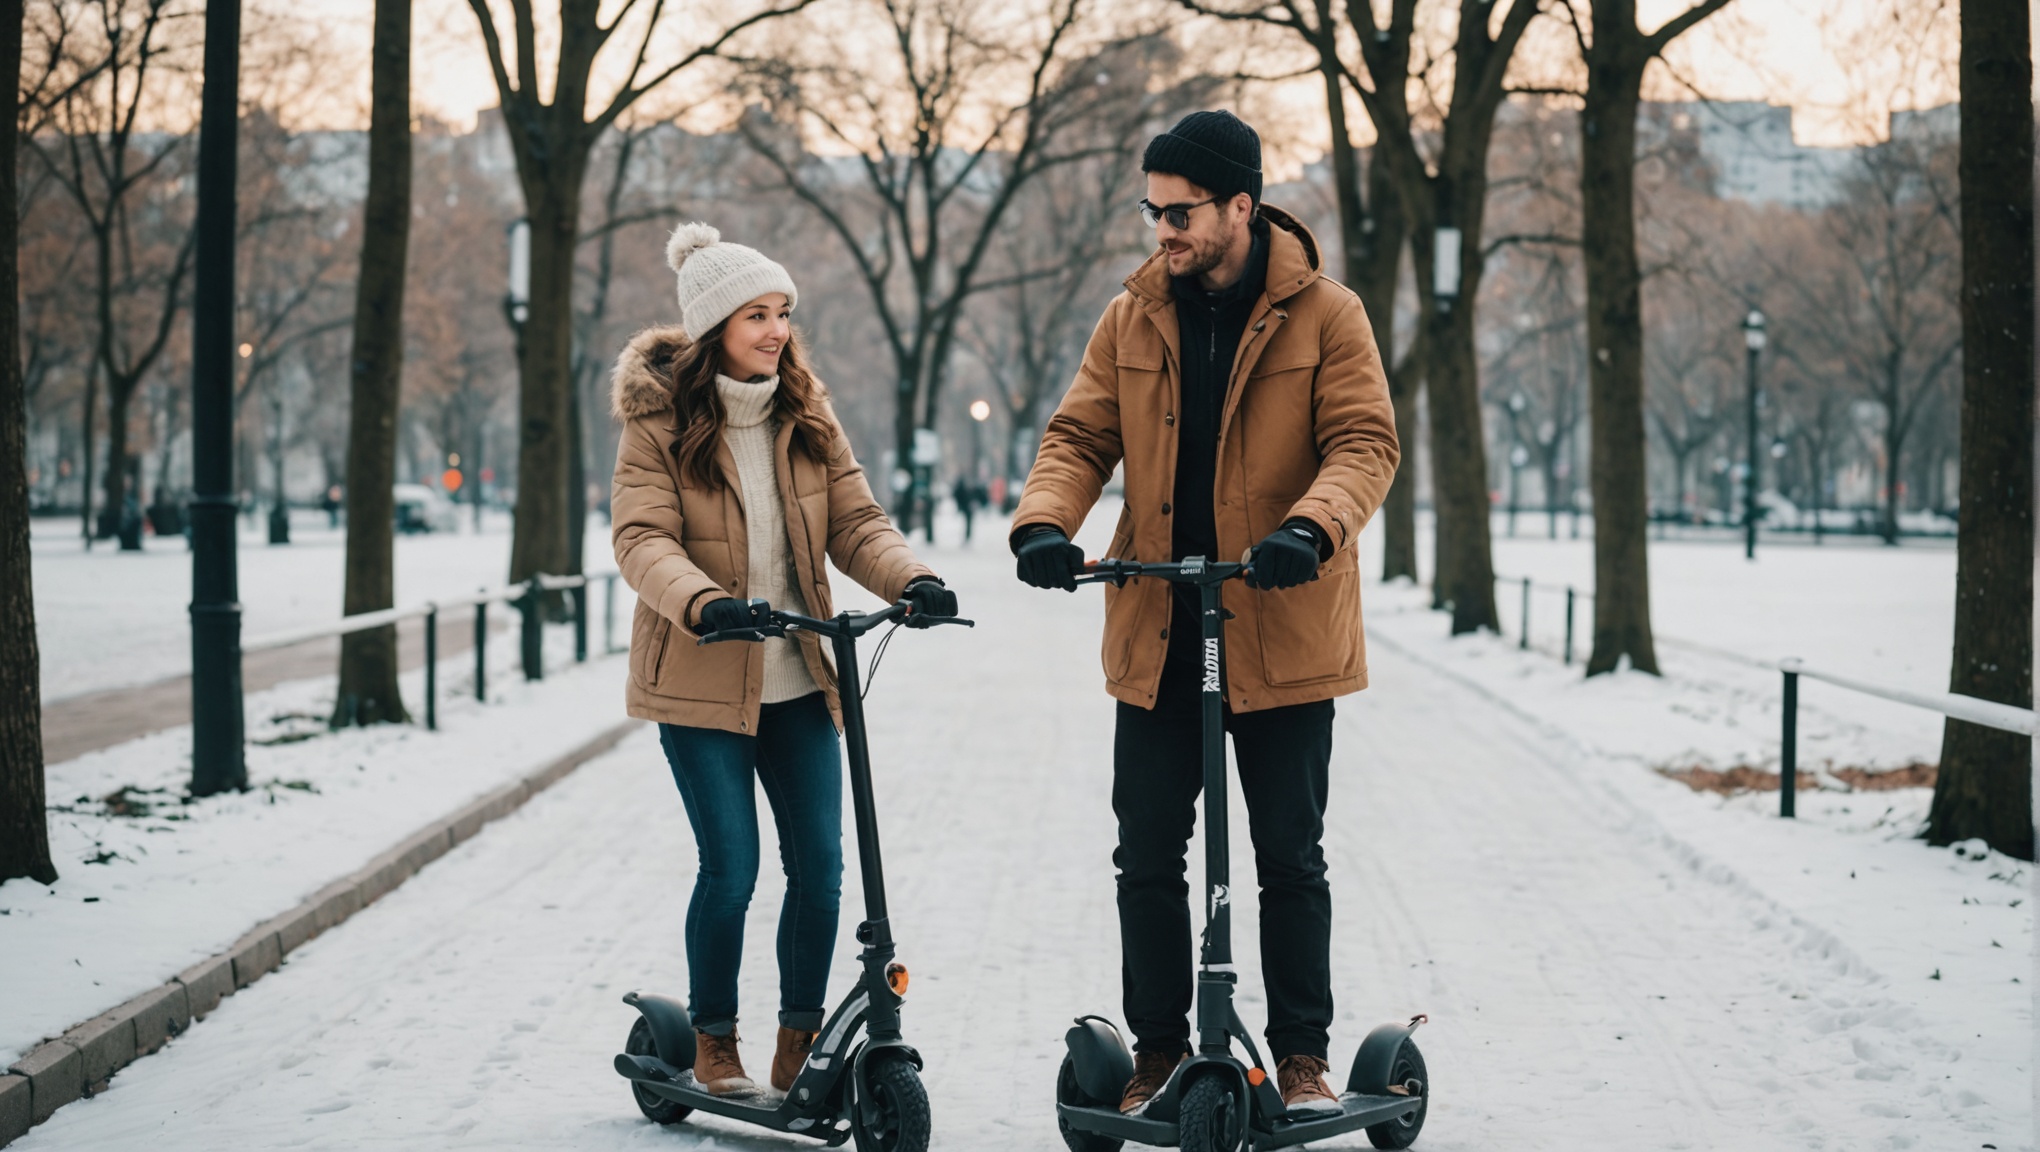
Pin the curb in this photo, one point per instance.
(79, 1063)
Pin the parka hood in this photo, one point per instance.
(642, 382)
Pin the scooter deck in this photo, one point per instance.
(1357, 1111)
(764, 1107)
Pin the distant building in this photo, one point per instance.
(1749, 147)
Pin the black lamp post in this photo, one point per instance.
(1518, 456)
(217, 762)
(1753, 340)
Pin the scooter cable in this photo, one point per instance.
(871, 672)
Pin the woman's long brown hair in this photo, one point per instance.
(699, 405)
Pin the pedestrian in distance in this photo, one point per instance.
(1242, 390)
(734, 488)
(965, 493)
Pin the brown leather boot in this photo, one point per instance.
(717, 1067)
(793, 1050)
(1151, 1070)
(1302, 1081)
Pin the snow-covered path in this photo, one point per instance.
(1599, 974)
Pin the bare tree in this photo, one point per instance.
(1444, 193)
(24, 824)
(1985, 784)
(117, 54)
(1617, 54)
(940, 159)
(552, 143)
(368, 692)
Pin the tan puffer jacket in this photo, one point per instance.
(680, 545)
(1307, 431)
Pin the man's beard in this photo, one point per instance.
(1209, 258)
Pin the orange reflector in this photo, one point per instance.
(896, 978)
(1256, 1077)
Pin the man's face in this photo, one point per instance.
(1212, 230)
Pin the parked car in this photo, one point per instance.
(422, 509)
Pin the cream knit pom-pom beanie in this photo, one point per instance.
(716, 278)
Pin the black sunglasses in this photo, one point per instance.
(1178, 215)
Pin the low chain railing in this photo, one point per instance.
(527, 596)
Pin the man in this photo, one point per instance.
(1244, 394)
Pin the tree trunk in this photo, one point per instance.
(1615, 362)
(85, 469)
(1399, 510)
(1465, 578)
(1985, 784)
(545, 426)
(24, 823)
(368, 691)
(1894, 447)
(1384, 234)
(118, 396)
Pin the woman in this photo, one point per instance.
(734, 483)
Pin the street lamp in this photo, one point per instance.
(980, 411)
(1445, 249)
(1753, 340)
(1517, 455)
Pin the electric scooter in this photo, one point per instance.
(867, 1087)
(1214, 1102)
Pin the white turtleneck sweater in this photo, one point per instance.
(749, 430)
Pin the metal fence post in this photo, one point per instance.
(432, 667)
(1525, 641)
(580, 594)
(1568, 623)
(609, 614)
(1788, 748)
(531, 604)
(482, 650)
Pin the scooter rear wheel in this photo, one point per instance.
(656, 1108)
(1213, 1118)
(1068, 1091)
(895, 1116)
(1402, 1132)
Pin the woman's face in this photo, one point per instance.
(755, 335)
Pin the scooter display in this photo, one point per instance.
(1214, 1101)
(868, 1086)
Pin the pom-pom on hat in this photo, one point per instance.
(716, 278)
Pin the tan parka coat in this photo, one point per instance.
(679, 545)
(1307, 430)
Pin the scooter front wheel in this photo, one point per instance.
(656, 1108)
(891, 1114)
(1213, 1118)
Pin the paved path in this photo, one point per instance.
(76, 725)
(1592, 984)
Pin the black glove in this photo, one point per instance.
(927, 597)
(730, 613)
(1049, 560)
(1288, 557)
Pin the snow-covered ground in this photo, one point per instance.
(1610, 960)
(110, 619)
(150, 884)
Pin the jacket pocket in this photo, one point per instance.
(1312, 632)
(649, 633)
(1122, 536)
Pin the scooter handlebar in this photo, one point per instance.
(849, 623)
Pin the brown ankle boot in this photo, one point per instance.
(1151, 1070)
(717, 1067)
(793, 1050)
(1304, 1091)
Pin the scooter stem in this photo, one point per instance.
(1215, 984)
(865, 811)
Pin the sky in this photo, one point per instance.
(1809, 54)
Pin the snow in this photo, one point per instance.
(112, 619)
(145, 895)
(1609, 959)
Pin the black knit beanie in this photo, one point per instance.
(1216, 151)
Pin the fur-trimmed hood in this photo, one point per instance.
(642, 383)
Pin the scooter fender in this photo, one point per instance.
(672, 1028)
(874, 1050)
(1167, 1104)
(1103, 1064)
(1375, 1062)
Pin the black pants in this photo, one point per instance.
(1283, 756)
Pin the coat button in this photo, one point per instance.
(1165, 633)
(1170, 419)
(743, 725)
(1165, 509)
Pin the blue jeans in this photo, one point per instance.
(795, 755)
